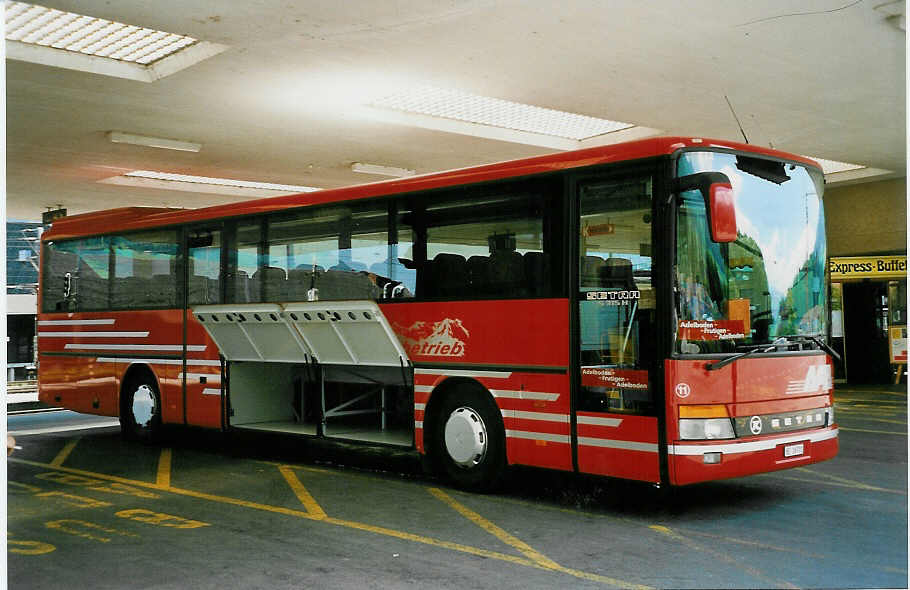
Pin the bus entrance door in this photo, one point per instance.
(615, 414)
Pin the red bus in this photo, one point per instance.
(654, 310)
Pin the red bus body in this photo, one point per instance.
(518, 350)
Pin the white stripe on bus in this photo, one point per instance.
(533, 395)
(93, 334)
(191, 362)
(544, 416)
(211, 391)
(460, 373)
(598, 421)
(752, 446)
(106, 322)
(504, 393)
(143, 347)
(625, 445)
(546, 436)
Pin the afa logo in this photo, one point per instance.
(819, 379)
(443, 338)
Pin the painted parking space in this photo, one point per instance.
(212, 514)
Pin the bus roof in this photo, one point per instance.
(135, 218)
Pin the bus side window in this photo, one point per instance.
(204, 260)
(485, 242)
(327, 253)
(76, 275)
(243, 262)
(145, 270)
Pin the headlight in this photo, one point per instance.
(705, 428)
(705, 422)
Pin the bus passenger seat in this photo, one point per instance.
(162, 290)
(478, 273)
(240, 288)
(616, 273)
(448, 275)
(507, 274)
(537, 277)
(270, 282)
(300, 280)
(590, 271)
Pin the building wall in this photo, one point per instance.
(868, 218)
(22, 256)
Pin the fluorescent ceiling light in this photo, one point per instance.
(841, 172)
(381, 170)
(205, 184)
(494, 118)
(68, 40)
(155, 142)
(833, 166)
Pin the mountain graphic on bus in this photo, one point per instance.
(443, 338)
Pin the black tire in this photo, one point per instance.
(469, 442)
(140, 409)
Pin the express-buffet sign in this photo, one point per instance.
(868, 267)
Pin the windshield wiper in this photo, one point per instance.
(783, 340)
(821, 344)
(731, 359)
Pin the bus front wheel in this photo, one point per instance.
(470, 440)
(140, 412)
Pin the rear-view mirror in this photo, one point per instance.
(717, 191)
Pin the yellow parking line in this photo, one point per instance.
(885, 420)
(164, 469)
(833, 483)
(751, 543)
(531, 553)
(429, 541)
(849, 482)
(301, 492)
(64, 453)
(537, 558)
(338, 522)
(877, 391)
(724, 557)
(872, 431)
(873, 417)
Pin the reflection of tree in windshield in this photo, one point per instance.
(772, 278)
(803, 308)
(750, 282)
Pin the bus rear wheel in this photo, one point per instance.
(140, 410)
(470, 440)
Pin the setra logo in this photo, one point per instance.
(755, 424)
(443, 338)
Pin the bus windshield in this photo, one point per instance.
(770, 281)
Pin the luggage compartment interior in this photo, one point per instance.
(324, 368)
(361, 403)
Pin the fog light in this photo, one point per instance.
(712, 458)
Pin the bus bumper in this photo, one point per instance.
(697, 461)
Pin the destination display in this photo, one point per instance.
(711, 329)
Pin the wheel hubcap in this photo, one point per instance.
(466, 437)
(143, 406)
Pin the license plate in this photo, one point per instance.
(794, 450)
